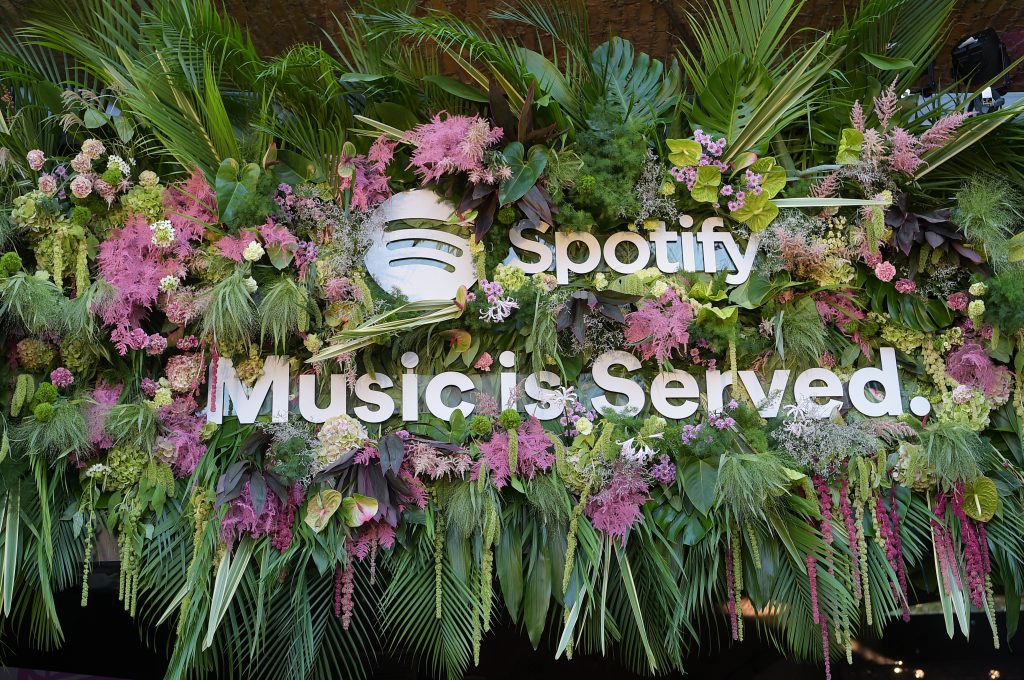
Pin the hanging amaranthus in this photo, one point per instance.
(889, 542)
(438, 563)
(90, 522)
(82, 269)
(572, 537)
(755, 548)
(736, 563)
(850, 522)
(491, 527)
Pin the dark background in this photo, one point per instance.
(101, 640)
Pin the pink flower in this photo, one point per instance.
(156, 345)
(658, 328)
(81, 186)
(231, 247)
(970, 365)
(103, 398)
(958, 301)
(616, 507)
(36, 159)
(885, 271)
(61, 377)
(451, 144)
(92, 149)
(484, 362)
(534, 455)
(47, 184)
(81, 163)
(905, 286)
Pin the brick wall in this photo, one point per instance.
(653, 25)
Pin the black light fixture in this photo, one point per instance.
(978, 58)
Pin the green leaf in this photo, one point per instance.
(524, 173)
(887, 63)
(757, 212)
(234, 185)
(229, 576)
(457, 88)
(705, 188)
(699, 480)
(537, 597)
(94, 118)
(684, 152)
(634, 603)
(509, 561)
(321, 508)
(359, 77)
(12, 550)
(850, 145)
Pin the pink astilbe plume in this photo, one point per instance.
(827, 186)
(616, 507)
(970, 365)
(533, 456)
(799, 254)
(133, 265)
(905, 155)
(190, 206)
(942, 130)
(104, 397)
(857, 117)
(886, 105)
(660, 327)
(428, 461)
(368, 178)
(231, 247)
(451, 144)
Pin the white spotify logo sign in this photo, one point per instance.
(422, 264)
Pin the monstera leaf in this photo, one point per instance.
(636, 85)
(730, 98)
(321, 508)
(981, 499)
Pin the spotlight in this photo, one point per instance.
(978, 58)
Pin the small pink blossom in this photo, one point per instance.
(484, 362)
(885, 271)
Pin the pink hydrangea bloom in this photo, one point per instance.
(885, 271)
(970, 365)
(81, 186)
(958, 301)
(906, 286)
(47, 184)
(659, 327)
(61, 377)
(36, 159)
(183, 426)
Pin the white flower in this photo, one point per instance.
(148, 178)
(583, 426)
(253, 251)
(978, 289)
(251, 285)
(168, 283)
(499, 310)
(97, 470)
(561, 398)
(634, 453)
(163, 233)
(600, 281)
(119, 163)
(659, 288)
